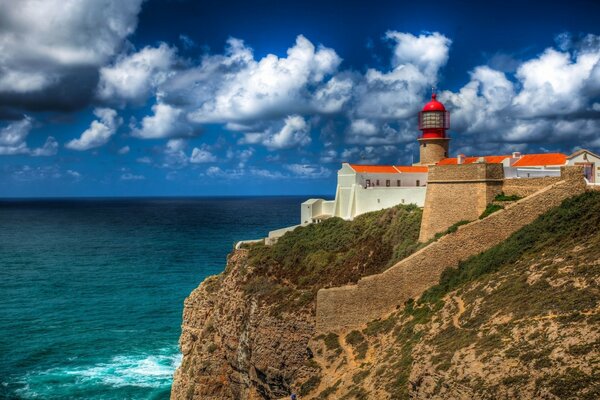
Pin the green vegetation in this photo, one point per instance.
(358, 342)
(576, 222)
(331, 253)
(453, 228)
(311, 384)
(329, 391)
(503, 197)
(332, 342)
(490, 209)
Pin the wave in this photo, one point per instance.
(152, 371)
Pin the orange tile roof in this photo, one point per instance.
(388, 169)
(376, 169)
(534, 160)
(411, 169)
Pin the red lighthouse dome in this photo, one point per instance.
(434, 105)
(434, 120)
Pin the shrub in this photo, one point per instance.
(503, 197)
(490, 209)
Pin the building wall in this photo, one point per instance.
(352, 306)
(372, 199)
(591, 159)
(458, 193)
(526, 186)
(406, 179)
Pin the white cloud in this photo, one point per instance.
(13, 140)
(50, 50)
(175, 156)
(308, 170)
(99, 132)
(74, 174)
(49, 148)
(202, 155)
(133, 77)
(124, 150)
(399, 93)
(167, 121)
(236, 87)
(128, 176)
(552, 101)
(295, 132)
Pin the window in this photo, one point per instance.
(387, 183)
(418, 182)
(377, 183)
(399, 182)
(368, 182)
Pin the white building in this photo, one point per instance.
(364, 188)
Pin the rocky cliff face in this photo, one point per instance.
(521, 320)
(232, 345)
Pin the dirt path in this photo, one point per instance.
(460, 304)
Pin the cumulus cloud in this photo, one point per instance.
(49, 148)
(549, 99)
(398, 93)
(13, 140)
(133, 77)
(124, 150)
(51, 45)
(99, 132)
(308, 170)
(167, 121)
(128, 176)
(202, 155)
(236, 87)
(295, 132)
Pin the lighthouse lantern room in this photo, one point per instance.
(434, 121)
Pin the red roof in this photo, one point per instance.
(388, 169)
(412, 169)
(534, 160)
(375, 169)
(526, 160)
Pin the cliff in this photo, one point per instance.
(245, 332)
(520, 320)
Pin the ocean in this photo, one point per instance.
(91, 291)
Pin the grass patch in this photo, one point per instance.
(503, 197)
(358, 342)
(490, 209)
(453, 228)
(332, 253)
(574, 221)
(311, 384)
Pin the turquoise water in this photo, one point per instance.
(91, 291)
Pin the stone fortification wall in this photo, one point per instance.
(523, 187)
(456, 193)
(374, 296)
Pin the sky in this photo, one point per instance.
(201, 98)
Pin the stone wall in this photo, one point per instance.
(523, 187)
(458, 193)
(374, 296)
(432, 150)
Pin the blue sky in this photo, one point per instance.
(165, 98)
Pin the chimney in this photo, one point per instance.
(460, 159)
(516, 154)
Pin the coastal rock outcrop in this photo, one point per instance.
(233, 348)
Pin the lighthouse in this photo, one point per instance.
(434, 121)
